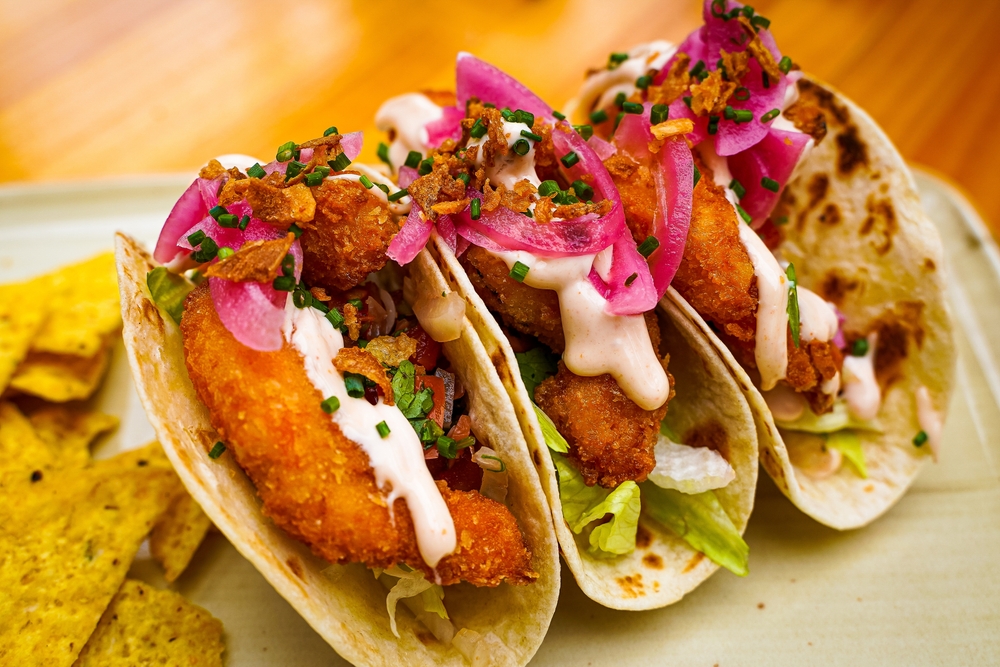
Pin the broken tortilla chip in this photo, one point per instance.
(69, 430)
(21, 449)
(67, 540)
(23, 311)
(147, 626)
(61, 377)
(178, 535)
(83, 305)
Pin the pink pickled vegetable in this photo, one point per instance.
(775, 158)
(412, 237)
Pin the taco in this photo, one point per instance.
(338, 419)
(808, 260)
(526, 225)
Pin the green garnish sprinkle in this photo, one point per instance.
(218, 449)
(793, 303)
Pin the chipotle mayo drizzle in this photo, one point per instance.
(597, 342)
(401, 207)
(407, 115)
(861, 390)
(398, 459)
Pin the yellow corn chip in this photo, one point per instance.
(61, 377)
(146, 626)
(21, 450)
(69, 431)
(178, 534)
(83, 302)
(66, 542)
(23, 309)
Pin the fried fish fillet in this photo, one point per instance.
(316, 484)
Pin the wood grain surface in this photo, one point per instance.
(96, 88)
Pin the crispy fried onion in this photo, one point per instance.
(352, 321)
(363, 362)
(256, 261)
(392, 350)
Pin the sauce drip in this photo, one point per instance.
(406, 116)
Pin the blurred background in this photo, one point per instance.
(101, 88)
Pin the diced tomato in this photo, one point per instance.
(428, 349)
(436, 385)
(462, 473)
(461, 429)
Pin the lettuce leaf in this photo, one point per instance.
(848, 443)
(535, 365)
(168, 291)
(837, 420)
(553, 439)
(584, 504)
(702, 522)
(412, 589)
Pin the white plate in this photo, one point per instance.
(919, 586)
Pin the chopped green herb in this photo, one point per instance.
(383, 153)
(519, 271)
(760, 23)
(330, 130)
(295, 229)
(743, 214)
(713, 124)
(699, 69)
(770, 184)
(697, 175)
(383, 429)
(301, 298)
(320, 306)
(729, 113)
(413, 159)
(218, 449)
(244, 221)
(330, 405)
(631, 279)
(742, 94)
(919, 439)
(340, 163)
(738, 188)
(585, 131)
(228, 220)
(785, 64)
(659, 113)
(335, 318)
(314, 179)
(256, 171)
(793, 303)
(620, 99)
(503, 466)
(284, 283)
(647, 247)
(196, 238)
(396, 196)
(478, 129)
(744, 116)
(582, 190)
(616, 59)
(547, 188)
(206, 251)
(216, 211)
(286, 151)
(288, 265)
(168, 291)
(569, 159)
(599, 116)
(383, 187)
(365, 181)
(770, 115)
(426, 166)
(632, 107)
(474, 211)
(526, 117)
(521, 147)
(765, 79)
(294, 169)
(859, 348)
(558, 115)
(225, 252)
(355, 385)
(643, 82)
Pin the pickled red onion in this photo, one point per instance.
(412, 236)
(774, 157)
(190, 209)
(477, 78)
(449, 126)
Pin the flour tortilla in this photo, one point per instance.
(863, 241)
(345, 604)
(663, 568)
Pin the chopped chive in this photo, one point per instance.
(643, 82)
(547, 188)
(383, 429)
(396, 196)
(426, 166)
(244, 221)
(283, 283)
(631, 279)
(335, 318)
(256, 171)
(474, 209)
(288, 265)
(295, 229)
(463, 177)
(719, 10)
(528, 213)
(286, 151)
(294, 169)
(340, 163)
(919, 439)
(330, 130)
(765, 79)
(196, 238)
(698, 69)
(598, 116)
(859, 348)
(301, 298)
(216, 211)
(383, 187)
(507, 114)
(558, 115)
(713, 124)
(519, 272)
(697, 175)
(770, 184)
(743, 214)
(585, 131)
(793, 303)
(647, 247)
(785, 64)
(747, 11)
(569, 159)
(365, 181)
(228, 220)
(687, 101)
(760, 23)
(659, 113)
(478, 129)
(330, 405)
(616, 59)
(521, 147)
(206, 251)
(320, 306)
(632, 107)
(528, 134)
(738, 188)
(620, 99)
(314, 179)
(218, 449)
(582, 190)
(742, 93)
(226, 252)
(729, 113)
(770, 115)
(526, 117)
(355, 385)
(383, 153)
(413, 159)
(744, 115)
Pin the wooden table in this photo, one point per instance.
(96, 88)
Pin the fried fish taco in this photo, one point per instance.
(808, 256)
(528, 228)
(339, 419)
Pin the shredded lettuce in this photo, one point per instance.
(837, 420)
(703, 523)
(553, 439)
(535, 365)
(414, 590)
(584, 504)
(168, 291)
(848, 443)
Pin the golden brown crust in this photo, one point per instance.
(315, 483)
(256, 261)
(360, 361)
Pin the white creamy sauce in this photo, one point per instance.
(931, 421)
(818, 319)
(401, 207)
(397, 459)
(600, 88)
(770, 347)
(861, 390)
(785, 404)
(407, 115)
(597, 342)
(238, 160)
(509, 168)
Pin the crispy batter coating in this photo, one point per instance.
(315, 483)
(257, 261)
(531, 311)
(349, 236)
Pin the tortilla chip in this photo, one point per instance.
(178, 535)
(83, 302)
(147, 626)
(69, 430)
(23, 310)
(66, 543)
(61, 377)
(21, 450)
